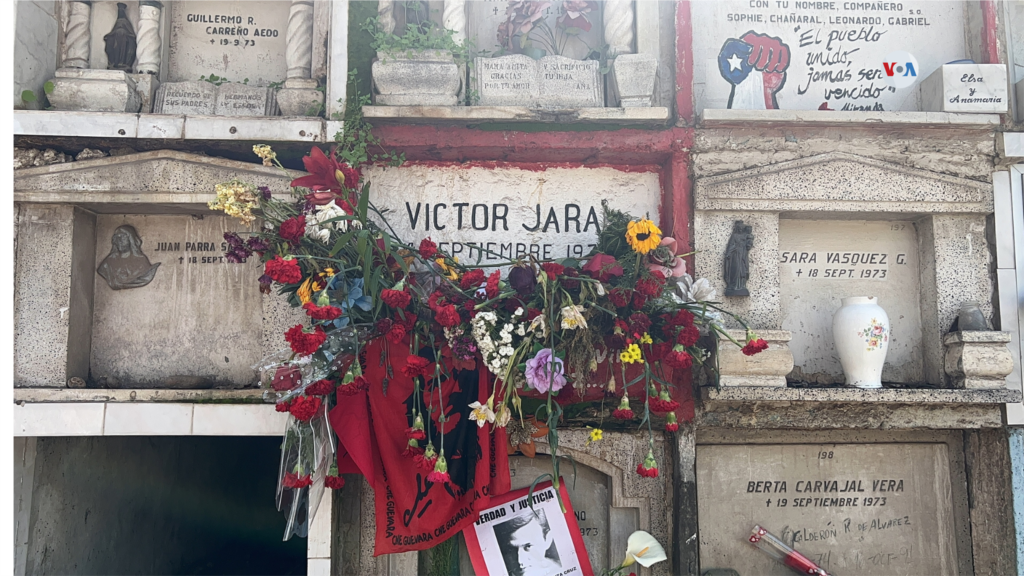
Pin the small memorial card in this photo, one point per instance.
(513, 539)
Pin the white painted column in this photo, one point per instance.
(147, 49)
(618, 27)
(76, 35)
(337, 73)
(454, 18)
(318, 541)
(299, 50)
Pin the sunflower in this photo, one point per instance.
(643, 236)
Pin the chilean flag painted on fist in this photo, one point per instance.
(756, 66)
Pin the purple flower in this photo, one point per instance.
(523, 280)
(539, 373)
(257, 244)
(265, 191)
(233, 240)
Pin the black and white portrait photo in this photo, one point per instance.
(513, 538)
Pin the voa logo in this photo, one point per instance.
(900, 69)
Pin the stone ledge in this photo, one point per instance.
(929, 396)
(169, 126)
(484, 114)
(49, 395)
(717, 118)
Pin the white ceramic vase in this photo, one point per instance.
(861, 332)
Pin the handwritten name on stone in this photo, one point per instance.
(551, 82)
(242, 100)
(185, 98)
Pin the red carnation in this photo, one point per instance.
(639, 300)
(396, 298)
(447, 316)
(427, 249)
(493, 284)
(680, 318)
(679, 359)
(658, 351)
(415, 434)
(639, 323)
(293, 228)
(396, 335)
(472, 279)
(415, 366)
(305, 343)
(281, 406)
(688, 336)
(304, 408)
(620, 296)
(649, 287)
(293, 480)
(646, 472)
(334, 482)
(620, 414)
(754, 347)
(532, 313)
(323, 387)
(439, 477)
(409, 322)
(321, 312)
(424, 463)
(354, 387)
(554, 269)
(672, 427)
(412, 449)
(283, 271)
(660, 405)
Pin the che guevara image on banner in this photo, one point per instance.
(513, 539)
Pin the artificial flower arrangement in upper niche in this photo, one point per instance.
(607, 325)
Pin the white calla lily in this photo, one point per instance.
(644, 549)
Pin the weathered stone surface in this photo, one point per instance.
(95, 91)
(767, 368)
(250, 40)
(424, 78)
(978, 359)
(89, 154)
(838, 504)
(634, 79)
(551, 82)
(966, 88)
(185, 98)
(30, 157)
(235, 99)
(176, 331)
(147, 85)
(299, 97)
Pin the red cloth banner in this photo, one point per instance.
(413, 513)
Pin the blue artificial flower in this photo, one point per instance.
(352, 296)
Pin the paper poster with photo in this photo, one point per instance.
(511, 539)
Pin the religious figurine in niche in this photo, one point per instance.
(737, 267)
(121, 42)
(126, 266)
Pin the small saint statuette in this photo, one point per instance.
(120, 42)
(126, 266)
(737, 266)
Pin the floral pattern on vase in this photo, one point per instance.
(875, 334)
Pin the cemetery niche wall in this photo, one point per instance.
(125, 285)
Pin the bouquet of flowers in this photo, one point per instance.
(615, 324)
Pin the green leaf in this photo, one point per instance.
(364, 199)
(48, 87)
(28, 96)
(533, 486)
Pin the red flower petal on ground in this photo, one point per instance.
(334, 482)
(754, 347)
(293, 229)
(305, 343)
(472, 279)
(415, 366)
(427, 249)
(493, 285)
(396, 298)
(321, 312)
(283, 271)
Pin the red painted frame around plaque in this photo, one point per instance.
(473, 544)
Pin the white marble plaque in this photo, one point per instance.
(818, 52)
(484, 17)
(497, 213)
(864, 509)
(199, 322)
(229, 38)
(823, 261)
(551, 82)
(241, 100)
(185, 98)
(967, 88)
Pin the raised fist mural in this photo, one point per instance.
(756, 66)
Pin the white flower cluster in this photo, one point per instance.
(315, 228)
(495, 353)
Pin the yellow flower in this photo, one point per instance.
(646, 339)
(596, 434)
(643, 236)
(631, 355)
(266, 153)
(305, 291)
(448, 272)
(236, 199)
